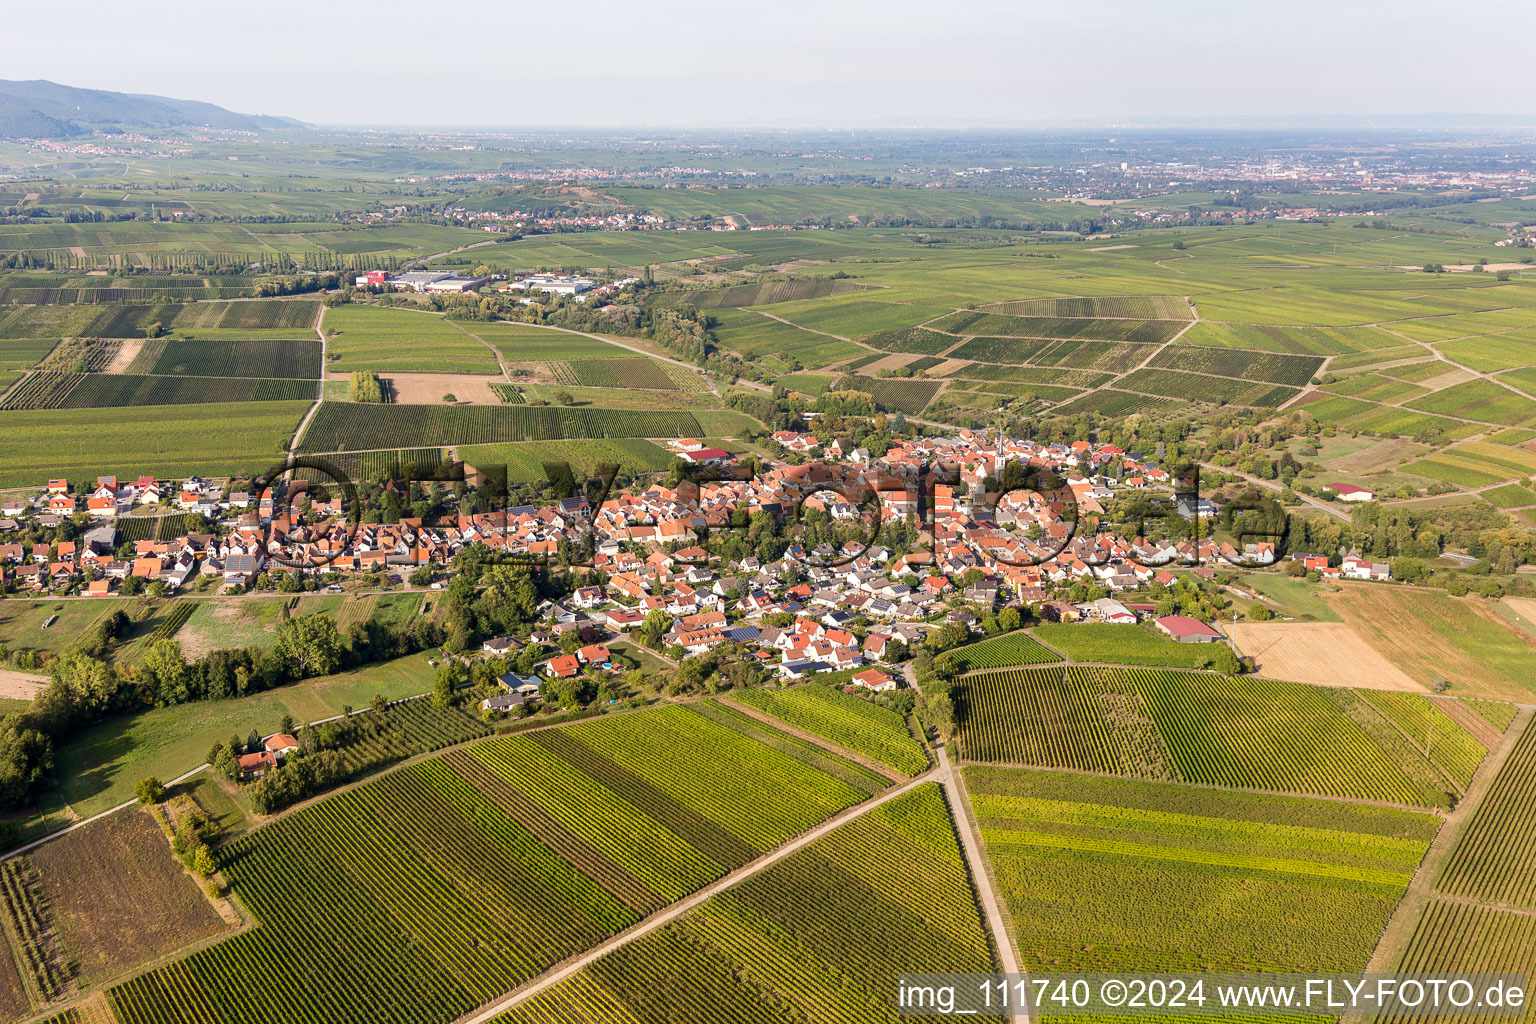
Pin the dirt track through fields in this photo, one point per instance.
(1320, 653)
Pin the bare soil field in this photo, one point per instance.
(1321, 653)
(1446, 380)
(21, 685)
(1432, 636)
(948, 367)
(1525, 608)
(890, 362)
(127, 352)
(1378, 456)
(429, 388)
(117, 895)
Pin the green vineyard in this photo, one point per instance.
(852, 722)
(282, 358)
(1003, 325)
(1103, 874)
(113, 390)
(818, 936)
(346, 426)
(437, 887)
(1185, 726)
(1000, 652)
(1431, 730)
(1458, 938)
(1495, 860)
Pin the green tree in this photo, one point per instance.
(202, 862)
(310, 645)
(149, 790)
(26, 761)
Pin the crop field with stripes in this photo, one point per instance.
(441, 885)
(1193, 727)
(818, 936)
(1103, 874)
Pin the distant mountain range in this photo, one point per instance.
(47, 110)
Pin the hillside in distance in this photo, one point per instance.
(41, 109)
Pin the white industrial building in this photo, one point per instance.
(556, 284)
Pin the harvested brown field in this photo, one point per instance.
(890, 362)
(1525, 609)
(21, 685)
(1321, 653)
(127, 351)
(429, 388)
(1433, 637)
(118, 897)
(948, 367)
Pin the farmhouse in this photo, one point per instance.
(1187, 630)
(1349, 492)
(704, 456)
(874, 680)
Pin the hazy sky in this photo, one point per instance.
(740, 62)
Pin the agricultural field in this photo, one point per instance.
(1321, 341)
(623, 372)
(1481, 400)
(113, 895)
(525, 462)
(1354, 414)
(1322, 653)
(1431, 636)
(298, 316)
(893, 393)
(756, 336)
(1428, 724)
(262, 358)
(217, 439)
(1124, 644)
(523, 343)
(1189, 727)
(401, 340)
(85, 355)
(1110, 402)
(1296, 371)
(1000, 652)
(1477, 464)
(504, 858)
(92, 320)
(1201, 387)
(1455, 937)
(121, 390)
(1129, 307)
(1007, 326)
(913, 339)
(1493, 861)
(1113, 875)
(815, 755)
(762, 293)
(346, 426)
(854, 723)
(796, 941)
